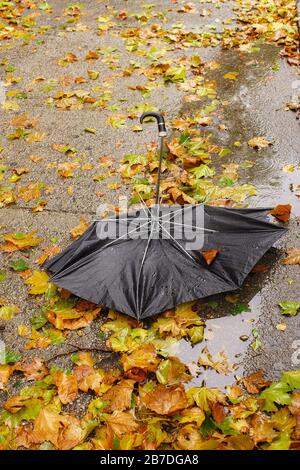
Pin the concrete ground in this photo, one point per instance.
(256, 107)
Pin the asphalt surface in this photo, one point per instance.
(256, 106)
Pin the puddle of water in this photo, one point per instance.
(257, 100)
(256, 107)
(222, 334)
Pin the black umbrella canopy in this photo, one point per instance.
(150, 262)
(145, 262)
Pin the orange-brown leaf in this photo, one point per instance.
(293, 256)
(119, 395)
(67, 387)
(210, 256)
(164, 400)
(34, 369)
(255, 382)
(282, 212)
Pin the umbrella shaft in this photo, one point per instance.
(161, 146)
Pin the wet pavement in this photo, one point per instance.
(252, 105)
(257, 107)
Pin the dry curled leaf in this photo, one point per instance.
(254, 383)
(162, 399)
(66, 386)
(121, 422)
(219, 362)
(119, 396)
(282, 212)
(34, 369)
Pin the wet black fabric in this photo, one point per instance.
(142, 277)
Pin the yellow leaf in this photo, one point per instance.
(8, 312)
(38, 282)
(5, 372)
(80, 228)
(231, 75)
(20, 241)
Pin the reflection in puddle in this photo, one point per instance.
(222, 334)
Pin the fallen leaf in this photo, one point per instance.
(210, 256)
(255, 382)
(34, 369)
(20, 241)
(140, 362)
(121, 422)
(79, 229)
(289, 307)
(5, 372)
(282, 212)
(231, 75)
(172, 371)
(48, 252)
(293, 256)
(258, 143)
(7, 312)
(162, 399)
(38, 282)
(67, 388)
(219, 362)
(119, 396)
(281, 327)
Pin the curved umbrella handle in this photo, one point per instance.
(162, 131)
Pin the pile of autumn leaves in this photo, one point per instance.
(143, 403)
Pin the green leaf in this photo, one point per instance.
(11, 357)
(212, 304)
(196, 334)
(2, 275)
(256, 344)
(208, 427)
(278, 394)
(55, 336)
(75, 358)
(45, 6)
(101, 335)
(27, 413)
(97, 406)
(19, 265)
(282, 443)
(240, 308)
(227, 426)
(203, 171)
(292, 378)
(224, 151)
(225, 182)
(38, 321)
(289, 307)
(175, 75)
(184, 137)
(134, 159)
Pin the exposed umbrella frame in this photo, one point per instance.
(150, 268)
